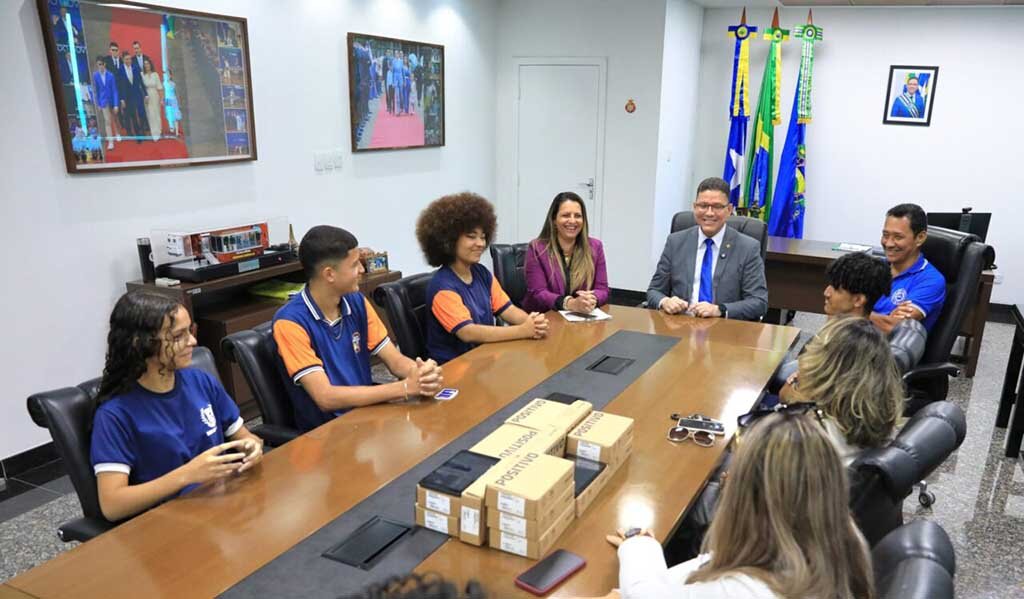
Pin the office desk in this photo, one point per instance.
(202, 544)
(795, 271)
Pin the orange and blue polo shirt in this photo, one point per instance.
(455, 303)
(307, 342)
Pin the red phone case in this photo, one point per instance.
(560, 580)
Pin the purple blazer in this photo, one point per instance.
(545, 282)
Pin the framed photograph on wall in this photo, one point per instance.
(910, 95)
(143, 86)
(396, 93)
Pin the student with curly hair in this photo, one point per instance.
(161, 426)
(463, 296)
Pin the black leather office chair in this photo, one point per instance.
(751, 227)
(915, 561)
(68, 414)
(405, 301)
(255, 351)
(960, 257)
(882, 478)
(510, 268)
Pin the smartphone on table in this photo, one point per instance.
(550, 572)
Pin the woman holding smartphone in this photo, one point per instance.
(783, 528)
(162, 428)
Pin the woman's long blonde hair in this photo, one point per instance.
(784, 517)
(849, 371)
(582, 274)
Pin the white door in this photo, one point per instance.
(559, 142)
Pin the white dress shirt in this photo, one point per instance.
(701, 248)
(643, 574)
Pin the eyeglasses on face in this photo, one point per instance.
(182, 337)
(702, 207)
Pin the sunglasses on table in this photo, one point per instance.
(681, 432)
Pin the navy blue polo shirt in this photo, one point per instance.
(923, 285)
(307, 342)
(146, 434)
(455, 304)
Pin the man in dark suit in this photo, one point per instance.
(710, 270)
(138, 58)
(115, 65)
(132, 92)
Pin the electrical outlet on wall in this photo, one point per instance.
(318, 161)
(998, 279)
(337, 157)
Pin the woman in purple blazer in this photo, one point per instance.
(565, 268)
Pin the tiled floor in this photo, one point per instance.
(980, 493)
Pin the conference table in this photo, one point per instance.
(204, 543)
(795, 272)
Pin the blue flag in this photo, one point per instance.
(788, 208)
(734, 157)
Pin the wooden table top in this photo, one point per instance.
(205, 542)
(657, 484)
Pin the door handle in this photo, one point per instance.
(589, 184)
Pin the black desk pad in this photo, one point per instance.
(303, 572)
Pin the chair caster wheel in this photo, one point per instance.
(926, 499)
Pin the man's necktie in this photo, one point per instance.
(705, 293)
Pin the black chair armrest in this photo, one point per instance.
(923, 372)
(916, 560)
(83, 529)
(273, 435)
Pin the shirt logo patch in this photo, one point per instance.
(207, 415)
(899, 295)
(356, 345)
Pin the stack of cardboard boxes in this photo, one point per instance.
(604, 438)
(526, 496)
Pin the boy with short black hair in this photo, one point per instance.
(326, 334)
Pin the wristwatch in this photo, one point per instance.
(723, 310)
(632, 532)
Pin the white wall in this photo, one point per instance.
(630, 35)
(675, 182)
(71, 238)
(857, 167)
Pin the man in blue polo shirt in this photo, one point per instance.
(326, 334)
(918, 288)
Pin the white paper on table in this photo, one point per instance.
(594, 316)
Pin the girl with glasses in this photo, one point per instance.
(162, 427)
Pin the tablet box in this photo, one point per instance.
(544, 414)
(510, 440)
(601, 437)
(448, 525)
(441, 489)
(532, 549)
(588, 486)
(531, 529)
(472, 508)
(530, 485)
(442, 503)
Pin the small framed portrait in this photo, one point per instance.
(396, 93)
(910, 95)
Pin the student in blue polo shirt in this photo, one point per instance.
(326, 334)
(161, 426)
(918, 288)
(463, 296)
